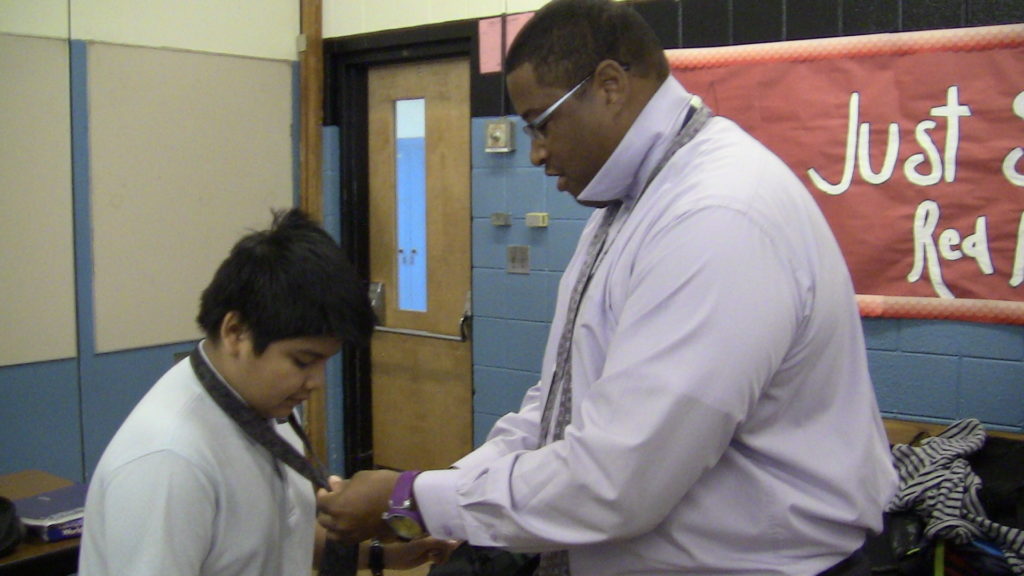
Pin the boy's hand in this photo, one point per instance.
(406, 555)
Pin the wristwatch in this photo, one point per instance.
(376, 560)
(402, 517)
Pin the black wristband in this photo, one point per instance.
(376, 559)
(339, 559)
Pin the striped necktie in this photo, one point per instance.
(557, 563)
(561, 381)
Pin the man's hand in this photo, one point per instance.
(352, 510)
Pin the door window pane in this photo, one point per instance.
(411, 212)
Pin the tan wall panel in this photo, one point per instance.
(188, 152)
(37, 286)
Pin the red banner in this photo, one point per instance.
(912, 145)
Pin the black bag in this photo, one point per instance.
(469, 560)
(1000, 466)
(903, 550)
(11, 530)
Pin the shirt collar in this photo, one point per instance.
(625, 171)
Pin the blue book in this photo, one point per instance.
(54, 515)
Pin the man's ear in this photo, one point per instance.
(233, 332)
(614, 82)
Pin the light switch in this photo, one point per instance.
(499, 136)
(537, 219)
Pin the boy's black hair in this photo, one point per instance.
(290, 281)
(566, 40)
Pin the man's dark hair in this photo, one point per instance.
(290, 281)
(566, 40)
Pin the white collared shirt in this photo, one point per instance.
(182, 490)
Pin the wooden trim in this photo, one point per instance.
(311, 83)
(905, 431)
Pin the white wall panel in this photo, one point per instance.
(46, 18)
(395, 14)
(351, 17)
(260, 28)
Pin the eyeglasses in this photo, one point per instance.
(535, 129)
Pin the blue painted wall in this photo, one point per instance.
(942, 371)
(512, 312)
(42, 427)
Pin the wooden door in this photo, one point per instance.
(421, 365)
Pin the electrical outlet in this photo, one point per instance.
(518, 260)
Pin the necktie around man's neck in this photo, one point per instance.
(561, 380)
(557, 563)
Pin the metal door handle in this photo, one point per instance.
(465, 327)
(420, 333)
(465, 322)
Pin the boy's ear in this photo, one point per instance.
(233, 332)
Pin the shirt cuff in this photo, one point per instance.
(437, 501)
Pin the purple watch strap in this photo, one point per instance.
(402, 498)
(403, 488)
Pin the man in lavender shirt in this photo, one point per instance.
(722, 419)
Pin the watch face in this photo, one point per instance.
(404, 527)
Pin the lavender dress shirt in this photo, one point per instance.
(724, 421)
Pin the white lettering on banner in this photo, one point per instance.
(926, 219)
(858, 144)
(931, 152)
(949, 247)
(892, 149)
(953, 111)
(1018, 259)
(1010, 162)
(851, 147)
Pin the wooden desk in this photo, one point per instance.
(905, 431)
(33, 557)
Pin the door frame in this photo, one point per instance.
(346, 65)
